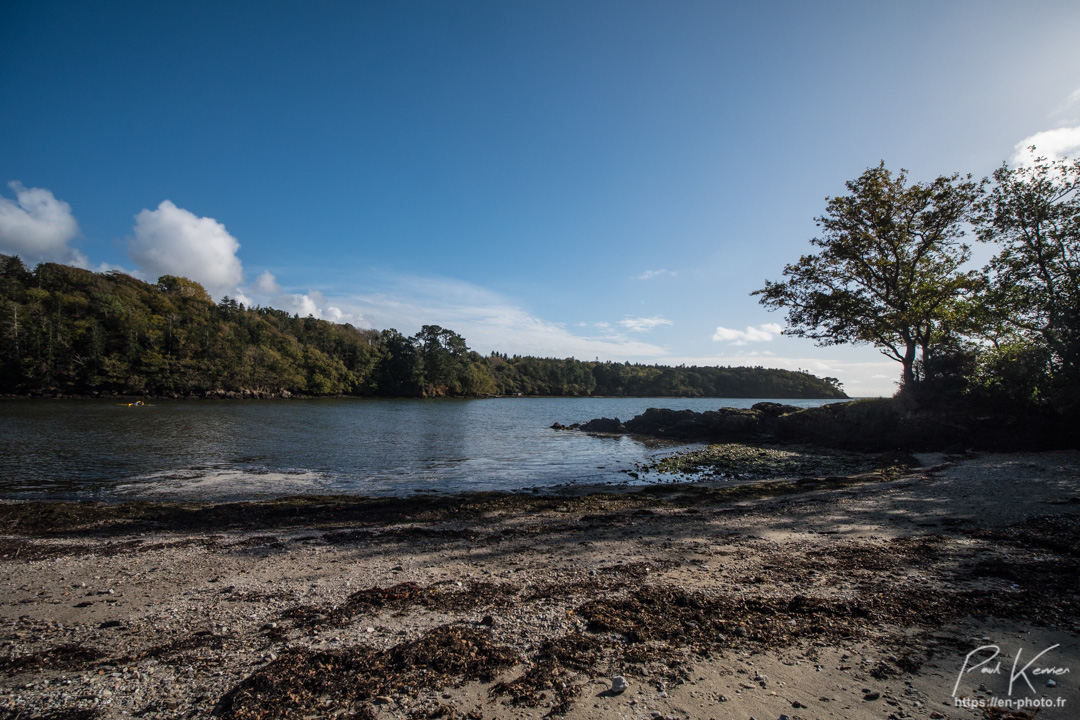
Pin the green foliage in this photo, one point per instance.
(549, 376)
(1011, 376)
(73, 331)
(1032, 213)
(889, 270)
(1004, 339)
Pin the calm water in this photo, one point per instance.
(249, 449)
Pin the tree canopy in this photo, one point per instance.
(890, 267)
(892, 271)
(67, 330)
(1032, 212)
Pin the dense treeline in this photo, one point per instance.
(72, 331)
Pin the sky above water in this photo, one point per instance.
(591, 179)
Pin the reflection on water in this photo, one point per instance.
(243, 449)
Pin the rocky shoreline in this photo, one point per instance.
(869, 425)
(849, 596)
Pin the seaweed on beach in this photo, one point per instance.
(445, 597)
(552, 672)
(700, 621)
(1056, 533)
(62, 714)
(198, 640)
(901, 552)
(301, 682)
(66, 657)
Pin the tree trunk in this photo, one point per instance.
(909, 363)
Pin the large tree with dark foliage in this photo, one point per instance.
(889, 269)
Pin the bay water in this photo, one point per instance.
(234, 449)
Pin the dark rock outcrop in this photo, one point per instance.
(872, 425)
(604, 425)
(725, 423)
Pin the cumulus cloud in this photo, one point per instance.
(650, 274)
(37, 227)
(761, 333)
(644, 324)
(174, 241)
(1052, 144)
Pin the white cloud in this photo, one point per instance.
(1051, 144)
(266, 284)
(37, 227)
(266, 290)
(644, 324)
(761, 333)
(650, 274)
(487, 320)
(174, 241)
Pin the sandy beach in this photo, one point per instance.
(866, 595)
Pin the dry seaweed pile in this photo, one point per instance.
(447, 597)
(1042, 556)
(304, 682)
(74, 656)
(50, 715)
(553, 668)
(71, 656)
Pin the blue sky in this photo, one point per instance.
(587, 179)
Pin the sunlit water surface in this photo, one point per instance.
(218, 450)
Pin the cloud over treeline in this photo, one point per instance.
(37, 227)
(174, 241)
